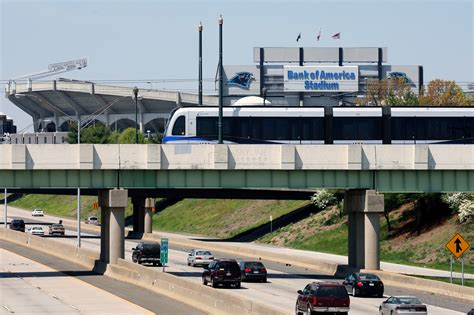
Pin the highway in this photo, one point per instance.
(32, 282)
(284, 281)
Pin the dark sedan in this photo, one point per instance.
(253, 270)
(364, 284)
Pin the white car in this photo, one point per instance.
(395, 305)
(200, 257)
(36, 230)
(92, 220)
(37, 213)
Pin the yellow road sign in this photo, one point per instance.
(457, 245)
(95, 205)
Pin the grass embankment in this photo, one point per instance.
(62, 206)
(221, 218)
(327, 232)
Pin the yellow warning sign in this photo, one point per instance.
(95, 205)
(458, 245)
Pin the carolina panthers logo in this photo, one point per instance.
(241, 79)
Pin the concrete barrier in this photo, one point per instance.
(81, 256)
(427, 285)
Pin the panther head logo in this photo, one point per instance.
(241, 79)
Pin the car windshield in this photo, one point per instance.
(368, 277)
(204, 253)
(407, 300)
(253, 264)
(337, 291)
(37, 228)
(93, 218)
(57, 225)
(152, 247)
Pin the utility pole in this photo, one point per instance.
(135, 92)
(200, 63)
(219, 123)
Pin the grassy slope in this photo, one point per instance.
(221, 217)
(327, 232)
(63, 206)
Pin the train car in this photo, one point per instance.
(322, 125)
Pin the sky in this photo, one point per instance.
(132, 42)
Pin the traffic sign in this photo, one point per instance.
(457, 245)
(95, 205)
(164, 251)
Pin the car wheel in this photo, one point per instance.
(189, 264)
(297, 311)
(204, 281)
(264, 280)
(213, 283)
(354, 292)
(308, 311)
(237, 285)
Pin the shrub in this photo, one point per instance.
(323, 198)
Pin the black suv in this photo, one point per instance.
(17, 225)
(222, 271)
(147, 252)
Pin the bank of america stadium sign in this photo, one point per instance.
(321, 79)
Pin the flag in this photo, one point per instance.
(298, 38)
(336, 36)
(319, 35)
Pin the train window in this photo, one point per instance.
(206, 126)
(403, 128)
(179, 127)
(468, 127)
(357, 128)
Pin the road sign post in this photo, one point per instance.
(164, 252)
(457, 246)
(271, 223)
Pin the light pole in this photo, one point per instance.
(200, 63)
(219, 123)
(135, 92)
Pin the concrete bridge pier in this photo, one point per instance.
(112, 239)
(142, 214)
(148, 221)
(364, 208)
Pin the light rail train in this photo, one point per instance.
(322, 125)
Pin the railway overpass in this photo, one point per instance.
(364, 171)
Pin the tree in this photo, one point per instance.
(128, 136)
(97, 133)
(114, 137)
(389, 92)
(444, 93)
(72, 134)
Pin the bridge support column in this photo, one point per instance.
(138, 214)
(364, 208)
(149, 206)
(112, 241)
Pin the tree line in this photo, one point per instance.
(100, 133)
(399, 92)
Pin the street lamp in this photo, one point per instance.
(148, 134)
(135, 92)
(219, 123)
(200, 63)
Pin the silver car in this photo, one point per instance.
(395, 305)
(200, 257)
